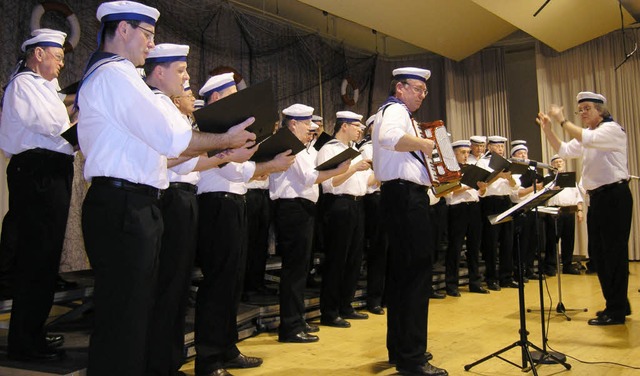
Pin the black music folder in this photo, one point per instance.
(281, 141)
(472, 174)
(71, 135)
(256, 100)
(71, 89)
(322, 139)
(562, 179)
(348, 153)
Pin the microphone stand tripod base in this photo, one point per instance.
(548, 357)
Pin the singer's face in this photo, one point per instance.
(412, 93)
(477, 149)
(497, 149)
(462, 154)
(521, 154)
(558, 163)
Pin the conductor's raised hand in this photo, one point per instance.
(238, 135)
(543, 120)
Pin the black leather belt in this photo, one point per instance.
(226, 195)
(605, 187)
(346, 196)
(47, 154)
(184, 187)
(126, 185)
(407, 183)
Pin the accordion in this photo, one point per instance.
(443, 167)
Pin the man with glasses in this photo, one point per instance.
(39, 175)
(605, 176)
(126, 137)
(399, 161)
(343, 224)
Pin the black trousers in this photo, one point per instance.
(565, 233)
(222, 245)
(39, 195)
(405, 208)
(259, 215)
(8, 245)
(375, 248)
(464, 222)
(492, 235)
(294, 221)
(343, 218)
(122, 234)
(167, 326)
(612, 211)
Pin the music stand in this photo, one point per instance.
(526, 205)
(554, 212)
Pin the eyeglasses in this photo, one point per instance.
(418, 90)
(58, 57)
(148, 34)
(583, 109)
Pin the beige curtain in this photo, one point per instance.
(590, 67)
(476, 95)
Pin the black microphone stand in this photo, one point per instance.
(523, 342)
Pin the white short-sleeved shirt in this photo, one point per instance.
(604, 154)
(123, 130)
(299, 180)
(458, 197)
(231, 178)
(389, 164)
(356, 185)
(366, 150)
(33, 116)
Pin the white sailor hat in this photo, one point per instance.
(587, 96)
(199, 103)
(517, 148)
(347, 117)
(44, 38)
(217, 83)
(478, 139)
(186, 86)
(298, 112)
(518, 142)
(370, 120)
(461, 144)
(313, 126)
(316, 118)
(411, 73)
(555, 156)
(167, 53)
(126, 11)
(496, 139)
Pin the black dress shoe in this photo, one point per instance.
(338, 322)
(310, 328)
(626, 313)
(376, 310)
(243, 361)
(453, 292)
(437, 295)
(427, 370)
(354, 316)
(493, 286)
(510, 284)
(479, 289)
(38, 356)
(54, 340)
(604, 319)
(301, 337)
(571, 270)
(63, 284)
